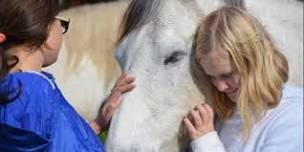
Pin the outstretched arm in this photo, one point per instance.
(123, 84)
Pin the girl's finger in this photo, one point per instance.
(126, 88)
(203, 113)
(128, 80)
(189, 126)
(120, 79)
(209, 111)
(197, 119)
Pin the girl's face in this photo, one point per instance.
(53, 43)
(222, 73)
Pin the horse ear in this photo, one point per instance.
(2, 38)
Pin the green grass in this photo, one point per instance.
(103, 136)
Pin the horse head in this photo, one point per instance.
(155, 47)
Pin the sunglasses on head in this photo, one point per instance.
(64, 24)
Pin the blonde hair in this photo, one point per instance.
(262, 68)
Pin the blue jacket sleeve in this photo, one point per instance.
(18, 140)
(25, 122)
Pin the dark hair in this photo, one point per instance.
(138, 14)
(24, 22)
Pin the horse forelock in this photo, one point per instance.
(138, 14)
(141, 12)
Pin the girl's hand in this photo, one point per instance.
(199, 121)
(123, 84)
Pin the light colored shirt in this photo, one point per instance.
(280, 130)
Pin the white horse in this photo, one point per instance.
(156, 48)
(157, 52)
(86, 68)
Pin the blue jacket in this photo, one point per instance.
(38, 117)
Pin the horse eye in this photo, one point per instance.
(174, 57)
